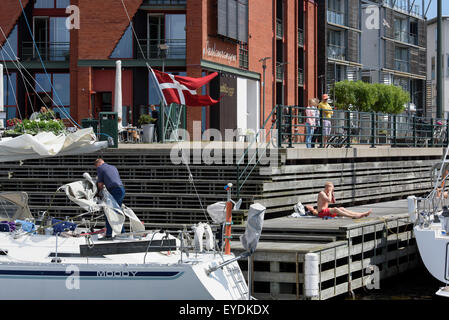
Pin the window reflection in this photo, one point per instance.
(9, 50)
(124, 48)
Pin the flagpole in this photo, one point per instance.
(163, 103)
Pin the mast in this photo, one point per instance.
(2, 108)
(439, 111)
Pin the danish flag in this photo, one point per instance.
(182, 90)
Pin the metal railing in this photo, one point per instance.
(49, 51)
(300, 37)
(336, 52)
(151, 48)
(336, 17)
(351, 128)
(279, 72)
(279, 29)
(406, 37)
(300, 77)
(257, 149)
(401, 65)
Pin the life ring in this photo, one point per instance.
(200, 229)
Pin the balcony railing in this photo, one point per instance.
(48, 51)
(404, 7)
(401, 65)
(300, 77)
(336, 17)
(336, 52)
(280, 72)
(406, 37)
(151, 49)
(164, 2)
(300, 37)
(279, 29)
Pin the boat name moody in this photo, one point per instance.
(116, 274)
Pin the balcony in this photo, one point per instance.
(300, 37)
(279, 72)
(151, 49)
(300, 77)
(403, 7)
(279, 29)
(406, 37)
(336, 52)
(402, 65)
(336, 17)
(48, 51)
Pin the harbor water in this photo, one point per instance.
(415, 284)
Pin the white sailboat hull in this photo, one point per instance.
(29, 274)
(434, 250)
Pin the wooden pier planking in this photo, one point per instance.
(384, 239)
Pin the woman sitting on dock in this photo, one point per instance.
(326, 197)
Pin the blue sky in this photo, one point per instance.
(432, 13)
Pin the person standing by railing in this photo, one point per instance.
(312, 115)
(327, 115)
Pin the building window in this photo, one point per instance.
(232, 19)
(57, 86)
(402, 59)
(51, 4)
(243, 55)
(9, 97)
(336, 12)
(175, 35)
(336, 45)
(9, 89)
(166, 37)
(124, 48)
(401, 30)
(8, 52)
(447, 66)
(433, 67)
(52, 40)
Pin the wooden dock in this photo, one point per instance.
(349, 252)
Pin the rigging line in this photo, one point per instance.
(42, 62)
(133, 30)
(19, 67)
(191, 180)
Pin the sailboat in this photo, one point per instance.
(430, 216)
(42, 258)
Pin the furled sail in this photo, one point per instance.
(47, 144)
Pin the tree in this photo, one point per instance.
(370, 97)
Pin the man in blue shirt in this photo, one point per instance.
(108, 176)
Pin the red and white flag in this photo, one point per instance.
(182, 90)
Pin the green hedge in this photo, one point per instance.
(368, 97)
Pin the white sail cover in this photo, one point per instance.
(47, 144)
(83, 193)
(254, 225)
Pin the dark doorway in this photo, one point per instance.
(103, 103)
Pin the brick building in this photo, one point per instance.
(203, 36)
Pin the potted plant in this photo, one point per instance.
(147, 124)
